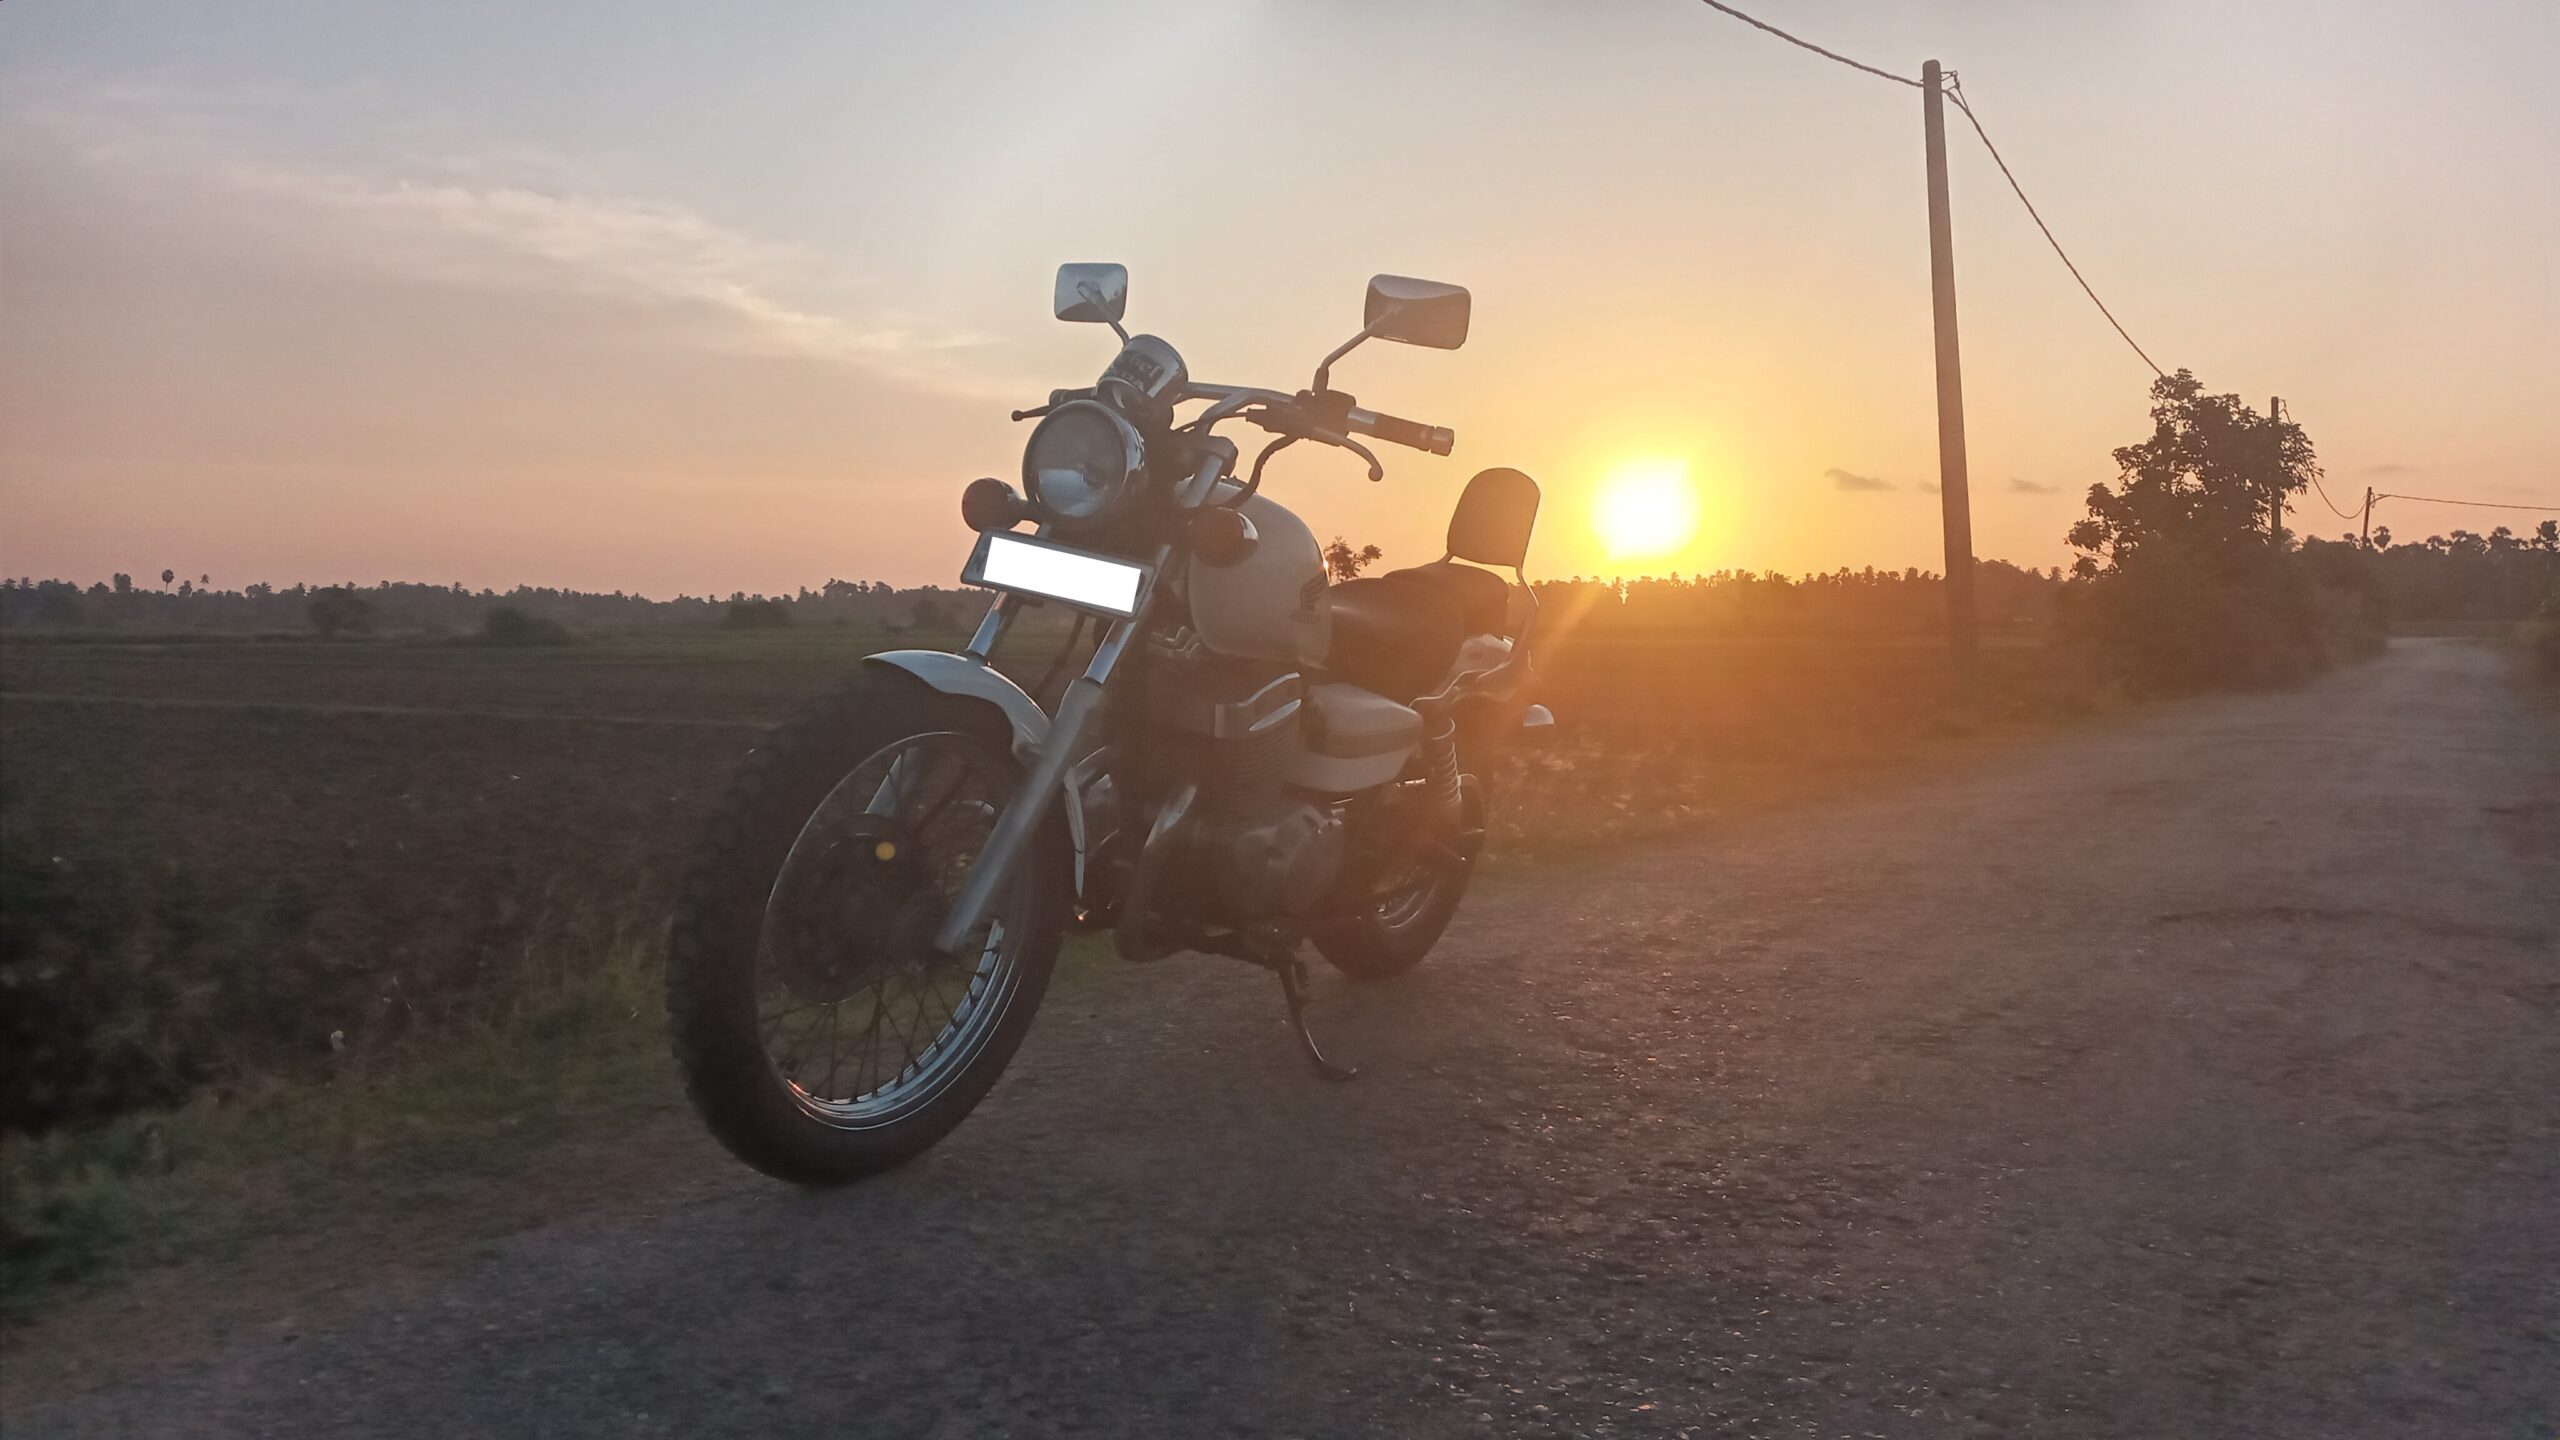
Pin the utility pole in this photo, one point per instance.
(2364, 529)
(1954, 498)
(2275, 519)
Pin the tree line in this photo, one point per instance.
(183, 606)
(1767, 603)
(2460, 576)
(1725, 601)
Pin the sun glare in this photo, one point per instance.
(1647, 508)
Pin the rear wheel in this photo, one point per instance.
(1411, 909)
(822, 1036)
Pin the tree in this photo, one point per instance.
(166, 576)
(2182, 583)
(1345, 563)
(339, 610)
(929, 613)
(2209, 477)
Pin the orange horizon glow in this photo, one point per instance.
(361, 294)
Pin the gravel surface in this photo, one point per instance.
(2196, 1075)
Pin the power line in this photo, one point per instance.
(1955, 92)
(1809, 45)
(2481, 504)
(2332, 504)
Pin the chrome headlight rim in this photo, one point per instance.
(1109, 497)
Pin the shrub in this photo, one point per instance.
(508, 625)
(119, 990)
(2177, 620)
(341, 611)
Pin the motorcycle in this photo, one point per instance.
(1253, 758)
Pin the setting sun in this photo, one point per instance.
(1646, 508)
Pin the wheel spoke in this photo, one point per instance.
(959, 782)
(773, 1023)
(849, 915)
(871, 1034)
(906, 1032)
(808, 1032)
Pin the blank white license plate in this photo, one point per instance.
(1055, 572)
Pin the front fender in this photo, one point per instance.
(974, 679)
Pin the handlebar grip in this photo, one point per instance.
(1432, 439)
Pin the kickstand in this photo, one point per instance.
(1293, 985)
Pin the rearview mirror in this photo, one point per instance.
(1092, 294)
(1417, 312)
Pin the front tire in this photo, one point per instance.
(803, 928)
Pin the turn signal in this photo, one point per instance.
(1221, 537)
(990, 504)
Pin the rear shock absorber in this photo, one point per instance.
(1440, 761)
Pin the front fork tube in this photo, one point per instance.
(1031, 800)
(1077, 710)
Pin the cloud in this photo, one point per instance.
(494, 233)
(506, 218)
(1928, 487)
(2029, 487)
(1847, 481)
(2390, 467)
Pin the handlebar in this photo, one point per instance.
(1432, 439)
(1328, 417)
(1319, 416)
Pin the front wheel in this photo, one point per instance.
(1392, 933)
(821, 1035)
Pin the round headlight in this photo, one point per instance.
(1080, 460)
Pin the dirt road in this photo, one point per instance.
(2193, 1076)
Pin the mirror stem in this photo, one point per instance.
(1093, 293)
(1324, 367)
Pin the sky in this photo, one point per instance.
(685, 298)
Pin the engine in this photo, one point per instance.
(1232, 845)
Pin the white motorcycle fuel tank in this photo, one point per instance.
(1269, 605)
(1272, 606)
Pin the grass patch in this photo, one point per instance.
(383, 1141)
(368, 1149)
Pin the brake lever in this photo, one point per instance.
(1295, 427)
(1377, 472)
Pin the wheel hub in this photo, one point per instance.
(849, 909)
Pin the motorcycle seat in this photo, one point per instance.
(1397, 634)
(1482, 597)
